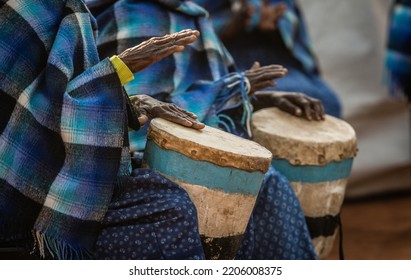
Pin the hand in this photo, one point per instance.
(270, 14)
(148, 52)
(262, 77)
(150, 108)
(297, 104)
(240, 19)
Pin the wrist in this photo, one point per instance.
(123, 71)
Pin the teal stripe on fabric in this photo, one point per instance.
(313, 173)
(206, 174)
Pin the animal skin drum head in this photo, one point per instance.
(301, 141)
(210, 144)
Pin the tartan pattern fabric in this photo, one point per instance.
(209, 89)
(62, 127)
(398, 55)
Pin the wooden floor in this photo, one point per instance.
(377, 228)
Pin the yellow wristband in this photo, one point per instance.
(123, 72)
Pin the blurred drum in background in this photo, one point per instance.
(316, 157)
(221, 172)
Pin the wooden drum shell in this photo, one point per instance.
(222, 174)
(316, 157)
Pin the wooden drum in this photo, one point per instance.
(221, 172)
(316, 157)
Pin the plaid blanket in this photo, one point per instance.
(62, 127)
(398, 55)
(210, 89)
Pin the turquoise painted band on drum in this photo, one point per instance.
(227, 179)
(313, 173)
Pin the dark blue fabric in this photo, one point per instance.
(149, 217)
(277, 228)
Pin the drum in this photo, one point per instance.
(221, 172)
(316, 157)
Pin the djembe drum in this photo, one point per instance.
(316, 157)
(221, 172)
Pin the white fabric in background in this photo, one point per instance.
(349, 38)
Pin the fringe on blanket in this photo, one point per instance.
(226, 121)
(58, 249)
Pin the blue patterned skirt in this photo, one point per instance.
(150, 217)
(277, 229)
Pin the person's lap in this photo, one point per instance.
(149, 217)
(277, 228)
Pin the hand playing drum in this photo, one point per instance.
(294, 103)
(148, 52)
(297, 104)
(149, 108)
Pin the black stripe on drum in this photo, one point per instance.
(221, 248)
(322, 226)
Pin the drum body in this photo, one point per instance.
(221, 172)
(316, 157)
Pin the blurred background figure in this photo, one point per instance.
(398, 56)
(354, 45)
(272, 32)
(351, 46)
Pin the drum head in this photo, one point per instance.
(210, 144)
(302, 141)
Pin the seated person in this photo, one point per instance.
(398, 54)
(66, 186)
(272, 31)
(202, 79)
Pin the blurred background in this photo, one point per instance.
(350, 40)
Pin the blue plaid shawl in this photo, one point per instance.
(398, 56)
(210, 88)
(291, 26)
(62, 127)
